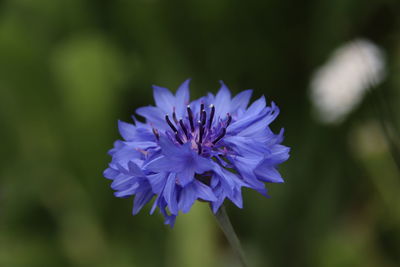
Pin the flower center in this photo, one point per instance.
(201, 131)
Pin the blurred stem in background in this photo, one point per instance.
(383, 112)
(388, 125)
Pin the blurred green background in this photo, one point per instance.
(69, 69)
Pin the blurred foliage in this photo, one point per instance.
(70, 68)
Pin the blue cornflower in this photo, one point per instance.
(207, 149)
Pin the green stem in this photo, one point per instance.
(226, 227)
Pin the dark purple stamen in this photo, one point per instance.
(190, 113)
(201, 133)
(155, 132)
(211, 116)
(220, 136)
(203, 117)
(200, 149)
(170, 124)
(174, 117)
(229, 120)
(178, 138)
(184, 128)
(198, 132)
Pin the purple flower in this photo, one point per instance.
(207, 149)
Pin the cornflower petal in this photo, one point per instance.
(164, 99)
(241, 100)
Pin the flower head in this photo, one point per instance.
(207, 149)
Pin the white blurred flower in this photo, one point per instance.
(339, 86)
